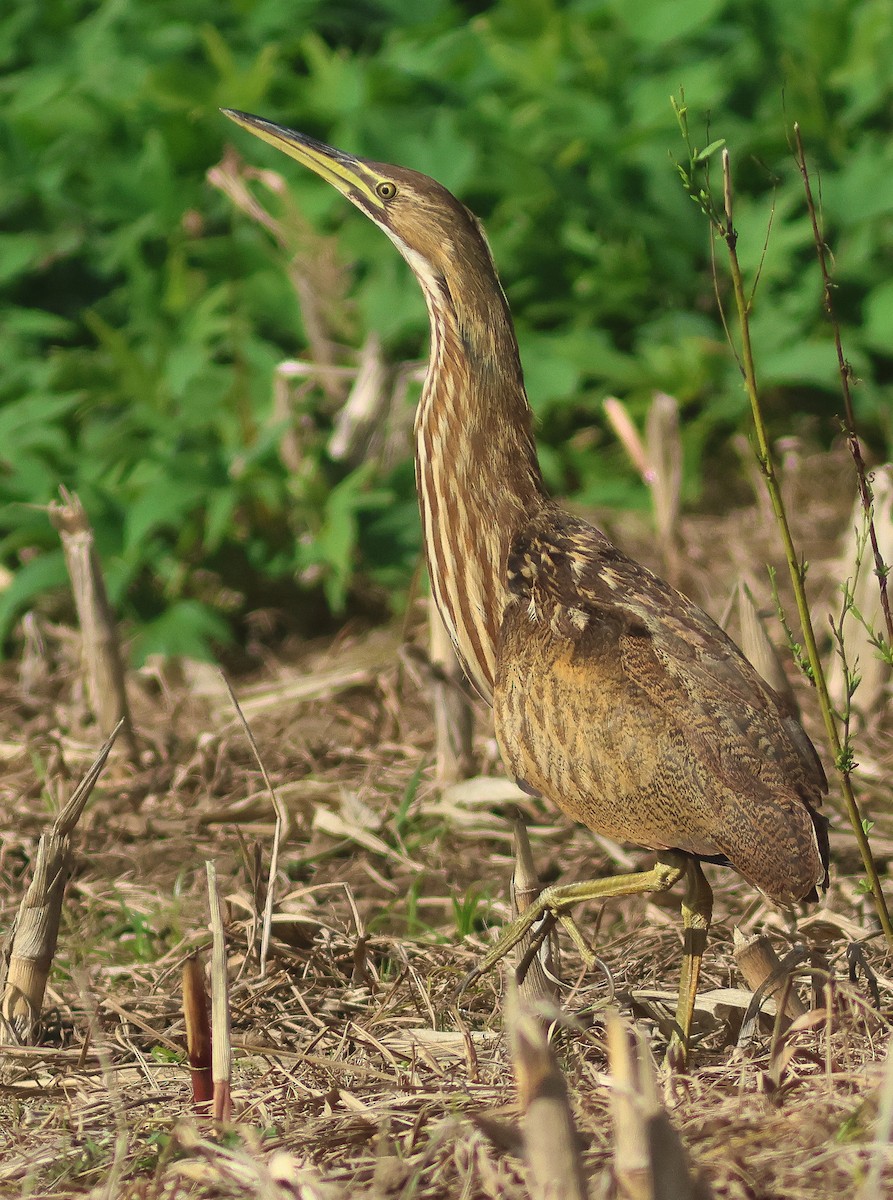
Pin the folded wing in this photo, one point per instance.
(626, 705)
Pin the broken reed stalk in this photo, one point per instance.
(280, 831)
(365, 406)
(874, 1188)
(757, 961)
(35, 930)
(759, 650)
(650, 1162)
(536, 987)
(451, 707)
(315, 276)
(665, 452)
(842, 754)
(881, 569)
(100, 649)
(863, 660)
(658, 459)
(550, 1136)
(198, 1033)
(221, 1041)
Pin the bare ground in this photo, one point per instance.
(351, 1073)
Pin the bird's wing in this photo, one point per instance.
(628, 706)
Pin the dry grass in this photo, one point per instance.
(351, 1074)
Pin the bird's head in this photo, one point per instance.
(435, 233)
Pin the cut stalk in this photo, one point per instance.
(536, 988)
(550, 1137)
(198, 1033)
(221, 1041)
(35, 931)
(650, 1162)
(101, 652)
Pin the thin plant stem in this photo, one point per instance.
(721, 220)
(280, 830)
(881, 569)
(842, 754)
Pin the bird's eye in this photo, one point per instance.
(386, 190)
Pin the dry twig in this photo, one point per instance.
(364, 408)
(873, 1187)
(313, 271)
(279, 832)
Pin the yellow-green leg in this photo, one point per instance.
(697, 909)
(559, 900)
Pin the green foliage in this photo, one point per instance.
(143, 319)
(401, 820)
(471, 913)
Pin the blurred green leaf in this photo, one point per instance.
(31, 580)
(878, 327)
(187, 629)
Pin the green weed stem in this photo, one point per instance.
(881, 569)
(722, 222)
(726, 229)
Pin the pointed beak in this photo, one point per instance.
(348, 174)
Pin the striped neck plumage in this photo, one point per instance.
(476, 467)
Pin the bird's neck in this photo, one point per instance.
(476, 467)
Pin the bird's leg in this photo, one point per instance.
(576, 935)
(697, 909)
(558, 900)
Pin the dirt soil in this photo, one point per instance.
(352, 1074)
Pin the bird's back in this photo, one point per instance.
(622, 702)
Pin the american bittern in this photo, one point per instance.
(614, 696)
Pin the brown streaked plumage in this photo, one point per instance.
(684, 746)
(614, 696)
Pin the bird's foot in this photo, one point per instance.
(676, 1057)
(559, 899)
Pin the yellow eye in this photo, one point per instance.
(386, 190)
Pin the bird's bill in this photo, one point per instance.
(342, 171)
